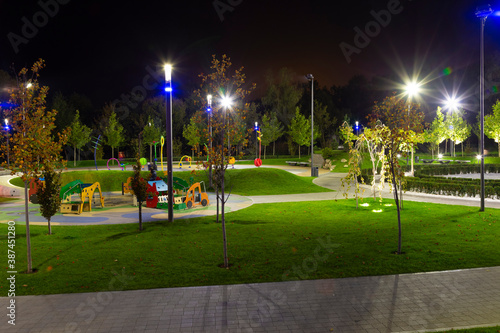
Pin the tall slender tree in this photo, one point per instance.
(492, 125)
(33, 135)
(80, 135)
(229, 91)
(114, 133)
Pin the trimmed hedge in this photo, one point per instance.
(425, 180)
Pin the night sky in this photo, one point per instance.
(104, 49)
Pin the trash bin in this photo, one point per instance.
(315, 172)
(417, 159)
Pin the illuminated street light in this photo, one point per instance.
(310, 77)
(452, 104)
(170, 177)
(7, 128)
(227, 102)
(412, 89)
(482, 13)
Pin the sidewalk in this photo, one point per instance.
(391, 303)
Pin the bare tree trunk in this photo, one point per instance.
(28, 239)
(274, 148)
(394, 183)
(50, 229)
(74, 155)
(223, 220)
(140, 216)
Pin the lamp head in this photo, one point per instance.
(309, 77)
(168, 72)
(483, 12)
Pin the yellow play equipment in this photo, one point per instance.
(187, 159)
(85, 193)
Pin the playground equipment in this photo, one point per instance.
(96, 144)
(84, 192)
(162, 141)
(195, 196)
(187, 159)
(35, 183)
(122, 165)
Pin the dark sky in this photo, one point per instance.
(104, 49)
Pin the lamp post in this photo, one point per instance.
(226, 103)
(256, 128)
(170, 177)
(357, 127)
(209, 111)
(8, 147)
(482, 13)
(310, 77)
(411, 89)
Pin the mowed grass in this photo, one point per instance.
(266, 242)
(262, 181)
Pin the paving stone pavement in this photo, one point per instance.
(391, 303)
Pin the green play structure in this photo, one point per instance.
(85, 193)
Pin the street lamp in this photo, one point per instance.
(209, 112)
(482, 13)
(411, 89)
(226, 103)
(170, 177)
(8, 147)
(357, 127)
(256, 128)
(310, 77)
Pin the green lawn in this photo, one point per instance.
(263, 181)
(266, 242)
(495, 329)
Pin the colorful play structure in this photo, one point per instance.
(83, 193)
(122, 165)
(188, 159)
(34, 184)
(186, 196)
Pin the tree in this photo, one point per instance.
(282, 95)
(324, 123)
(492, 125)
(401, 129)
(80, 135)
(193, 135)
(227, 87)
(457, 128)
(300, 129)
(33, 136)
(113, 133)
(436, 133)
(140, 187)
(151, 134)
(48, 194)
(271, 130)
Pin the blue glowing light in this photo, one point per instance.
(168, 89)
(209, 109)
(496, 13)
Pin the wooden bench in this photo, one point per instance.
(304, 163)
(427, 161)
(292, 163)
(444, 161)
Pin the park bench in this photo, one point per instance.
(427, 161)
(462, 161)
(304, 163)
(292, 163)
(444, 161)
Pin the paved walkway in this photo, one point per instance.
(392, 303)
